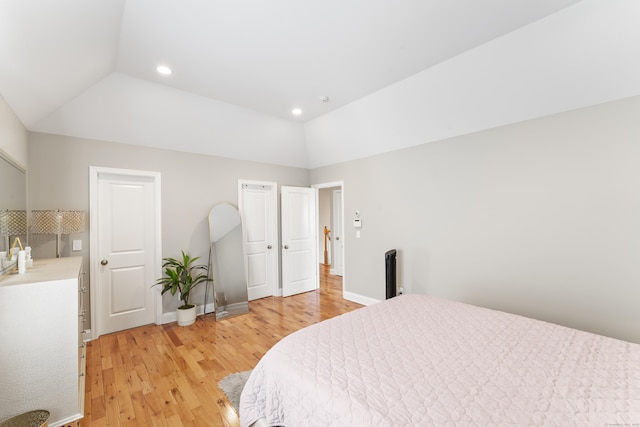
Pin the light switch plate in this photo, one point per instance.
(77, 245)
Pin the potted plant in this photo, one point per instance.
(181, 276)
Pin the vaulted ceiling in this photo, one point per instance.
(88, 68)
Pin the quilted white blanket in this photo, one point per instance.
(415, 360)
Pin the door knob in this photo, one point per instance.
(337, 237)
(286, 246)
(268, 246)
(104, 262)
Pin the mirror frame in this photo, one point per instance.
(5, 264)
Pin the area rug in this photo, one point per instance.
(232, 386)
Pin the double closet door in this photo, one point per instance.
(297, 243)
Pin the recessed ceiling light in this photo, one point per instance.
(296, 111)
(163, 69)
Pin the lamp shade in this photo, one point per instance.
(13, 223)
(46, 222)
(73, 222)
(57, 222)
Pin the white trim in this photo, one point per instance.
(94, 173)
(276, 287)
(334, 242)
(12, 161)
(344, 241)
(360, 299)
(170, 316)
(68, 420)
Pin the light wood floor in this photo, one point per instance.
(167, 375)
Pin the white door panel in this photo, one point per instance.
(299, 257)
(127, 210)
(126, 220)
(257, 203)
(257, 266)
(125, 295)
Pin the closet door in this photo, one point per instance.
(299, 247)
(258, 207)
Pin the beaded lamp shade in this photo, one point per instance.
(73, 222)
(13, 223)
(46, 222)
(57, 222)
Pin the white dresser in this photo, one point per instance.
(42, 353)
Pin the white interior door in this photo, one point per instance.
(125, 212)
(258, 207)
(337, 223)
(299, 248)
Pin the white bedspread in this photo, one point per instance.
(420, 361)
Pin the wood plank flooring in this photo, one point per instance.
(167, 375)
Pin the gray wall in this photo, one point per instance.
(191, 185)
(540, 218)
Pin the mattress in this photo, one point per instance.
(416, 360)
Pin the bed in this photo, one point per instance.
(416, 360)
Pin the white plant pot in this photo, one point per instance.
(186, 316)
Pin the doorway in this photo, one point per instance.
(331, 215)
(125, 253)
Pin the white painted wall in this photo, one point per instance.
(540, 218)
(13, 136)
(583, 55)
(160, 116)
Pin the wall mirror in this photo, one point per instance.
(230, 294)
(13, 210)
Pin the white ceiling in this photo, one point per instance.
(87, 68)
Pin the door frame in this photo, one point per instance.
(344, 241)
(94, 175)
(341, 225)
(276, 289)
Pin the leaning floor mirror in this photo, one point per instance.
(230, 295)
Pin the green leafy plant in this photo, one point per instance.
(181, 276)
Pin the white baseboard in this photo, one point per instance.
(171, 316)
(360, 299)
